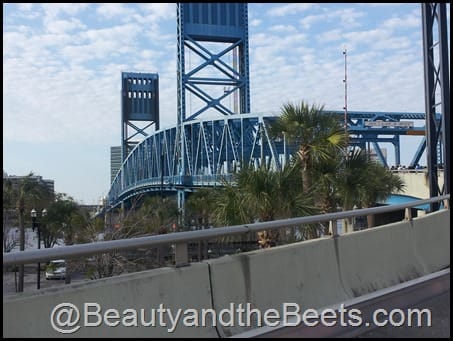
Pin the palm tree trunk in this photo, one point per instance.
(306, 176)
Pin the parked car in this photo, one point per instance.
(56, 269)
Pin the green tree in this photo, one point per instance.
(341, 180)
(145, 215)
(262, 194)
(362, 182)
(150, 215)
(27, 194)
(57, 223)
(9, 242)
(200, 207)
(318, 135)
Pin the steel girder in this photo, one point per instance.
(437, 84)
(225, 23)
(214, 149)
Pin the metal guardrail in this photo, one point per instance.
(181, 239)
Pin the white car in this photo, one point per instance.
(56, 269)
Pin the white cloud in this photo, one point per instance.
(64, 26)
(394, 43)
(289, 9)
(114, 10)
(54, 10)
(347, 18)
(367, 38)
(330, 36)
(282, 28)
(309, 20)
(159, 11)
(19, 11)
(255, 22)
(25, 7)
(408, 21)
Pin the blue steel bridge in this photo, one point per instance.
(215, 148)
(213, 68)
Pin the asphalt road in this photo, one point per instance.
(429, 293)
(31, 280)
(440, 327)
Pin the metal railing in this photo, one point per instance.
(181, 239)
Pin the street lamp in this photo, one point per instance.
(162, 170)
(38, 226)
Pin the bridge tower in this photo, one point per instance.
(139, 108)
(437, 84)
(212, 66)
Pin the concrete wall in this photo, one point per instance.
(434, 251)
(303, 273)
(377, 258)
(28, 315)
(417, 182)
(312, 274)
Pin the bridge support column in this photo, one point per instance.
(181, 207)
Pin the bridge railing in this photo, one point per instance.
(181, 239)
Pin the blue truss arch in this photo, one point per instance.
(215, 148)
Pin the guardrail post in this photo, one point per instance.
(333, 228)
(447, 204)
(181, 254)
(408, 213)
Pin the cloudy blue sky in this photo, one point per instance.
(62, 67)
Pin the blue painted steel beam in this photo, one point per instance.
(213, 150)
(225, 23)
(437, 80)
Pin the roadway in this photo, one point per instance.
(428, 292)
(30, 280)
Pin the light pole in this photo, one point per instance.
(345, 81)
(161, 170)
(38, 226)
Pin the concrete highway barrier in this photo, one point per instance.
(432, 240)
(311, 274)
(305, 274)
(379, 257)
(157, 292)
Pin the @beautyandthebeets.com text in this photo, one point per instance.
(67, 318)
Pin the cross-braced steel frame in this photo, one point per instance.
(437, 84)
(214, 149)
(225, 25)
(201, 152)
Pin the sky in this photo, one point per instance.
(62, 67)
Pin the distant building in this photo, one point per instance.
(115, 161)
(91, 209)
(16, 180)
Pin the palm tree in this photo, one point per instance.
(362, 182)
(318, 135)
(200, 208)
(324, 196)
(263, 194)
(380, 185)
(229, 208)
(341, 180)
